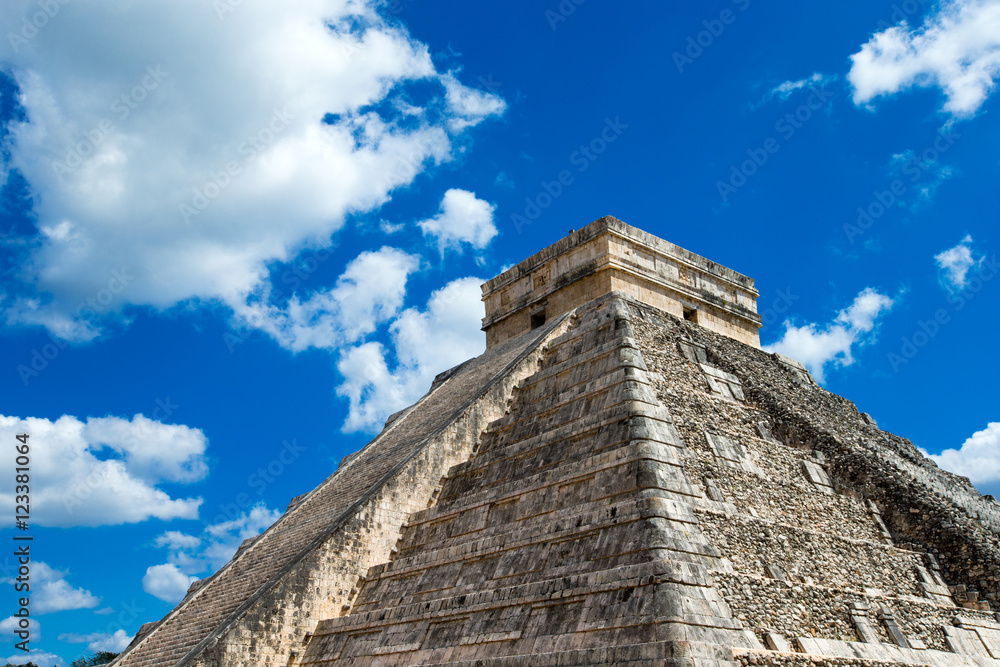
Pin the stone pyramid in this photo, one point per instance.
(622, 478)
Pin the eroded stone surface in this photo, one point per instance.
(610, 256)
(306, 567)
(570, 530)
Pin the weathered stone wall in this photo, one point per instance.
(572, 292)
(926, 508)
(608, 255)
(826, 559)
(306, 567)
(325, 582)
(796, 610)
(785, 502)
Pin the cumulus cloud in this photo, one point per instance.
(978, 458)
(174, 539)
(820, 345)
(106, 470)
(222, 539)
(954, 264)
(167, 582)
(462, 219)
(159, 180)
(99, 641)
(424, 343)
(190, 557)
(50, 592)
(469, 106)
(40, 658)
(957, 49)
(12, 624)
(370, 292)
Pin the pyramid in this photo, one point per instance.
(623, 478)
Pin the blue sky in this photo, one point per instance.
(235, 237)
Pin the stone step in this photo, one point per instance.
(602, 476)
(653, 654)
(605, 428)
(555, 364)
(691, 606)
(608, 389)
(498, 533)
(560, 390)
(570, 551)
(527, 457)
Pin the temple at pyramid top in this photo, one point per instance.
(610, 256)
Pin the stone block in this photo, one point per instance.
(817, 475)
(965, 642)
(776, 642)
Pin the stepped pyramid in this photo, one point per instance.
(622, 478)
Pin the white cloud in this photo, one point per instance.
(50, 592)
(956, 49)
(189, 180)
(504, 180)
(12, 624)
(224, 538)
(913, 167)
(978, 458)
(105, 470)
(190, 555)
(166, 582)
(425, 343)
(370, 292)
(40, 658)
(468, 105)
(99, 641)
(817, 345)
(954, 264)
(786, 89)
(174, 539)
(462, 219)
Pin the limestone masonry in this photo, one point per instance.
(622, 478)
(609, 256)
